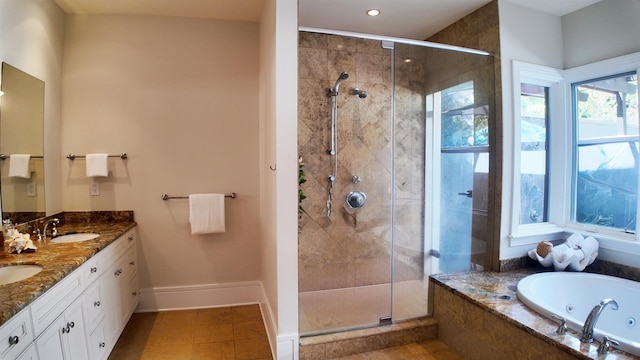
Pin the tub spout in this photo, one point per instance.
(590, 323)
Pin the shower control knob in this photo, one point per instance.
(356, 179)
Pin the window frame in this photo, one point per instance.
(581, 74)
(614, 244)
(552, 79)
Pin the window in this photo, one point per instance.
(538, 166)
(606, 149)
(576, 154)
(533, 153)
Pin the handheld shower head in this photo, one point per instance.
(343, 76)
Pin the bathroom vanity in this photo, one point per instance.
(78, 305)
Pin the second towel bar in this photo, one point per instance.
(74, 156)
(167, 197)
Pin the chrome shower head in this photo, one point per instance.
(343, 76)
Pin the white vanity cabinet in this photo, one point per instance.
(121, 287)
(82, 316)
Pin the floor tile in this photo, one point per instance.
(226, 333)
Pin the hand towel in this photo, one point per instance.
(206, 213)
(97, 165)
(19, 166)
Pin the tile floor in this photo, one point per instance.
(230, 333)
(227, 333)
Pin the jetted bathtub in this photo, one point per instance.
(572, 295)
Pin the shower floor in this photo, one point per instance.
(350, 308)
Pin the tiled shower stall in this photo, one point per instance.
(360, 267)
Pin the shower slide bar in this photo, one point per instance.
(5, 156)
(167, 197)
(74, 156)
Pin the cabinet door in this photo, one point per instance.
(99, 345)
(94, 305)
(112, 299)
(15, 335)
(65, 338)
(50, 343)
(74, 333)
(30, 354)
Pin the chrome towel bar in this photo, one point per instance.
(167, 197)
(5, 156)
(74, 156)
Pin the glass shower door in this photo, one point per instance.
(461, 171)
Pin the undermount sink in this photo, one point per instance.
(13, 273)
(74, 237)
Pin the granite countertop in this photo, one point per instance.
(497, 293)
(57, 260)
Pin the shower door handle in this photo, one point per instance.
(468, 194)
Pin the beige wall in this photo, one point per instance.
(180, 96)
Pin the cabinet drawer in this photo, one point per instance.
(92, 269)
(50, 305)
(16, 335)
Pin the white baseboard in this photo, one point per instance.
(288, 347)
(200, 296)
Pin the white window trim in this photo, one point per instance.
(614, 246)
(553, 79)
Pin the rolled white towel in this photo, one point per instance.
(588, 246)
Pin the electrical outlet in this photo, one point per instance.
(95, 188)
(31, 189)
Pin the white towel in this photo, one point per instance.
(206, 213)
(19, 166)
(97, 165)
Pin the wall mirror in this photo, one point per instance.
(21, 133)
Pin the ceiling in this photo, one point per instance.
(412, 19)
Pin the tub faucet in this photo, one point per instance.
(590, 323)
(54, 229)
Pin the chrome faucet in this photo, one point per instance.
(590, 323)
(54, 229)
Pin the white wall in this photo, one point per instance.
(180, 96)
(31, 39)
(535, 37)
(279, 134)
(601, 31)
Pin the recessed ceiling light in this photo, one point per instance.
(407, 60)
(373, 12)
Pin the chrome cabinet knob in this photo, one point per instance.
(96, 303)
(14, 340)
(94, 269)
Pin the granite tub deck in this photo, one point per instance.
(59, 260)
(480, 317)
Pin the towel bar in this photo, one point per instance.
(5, 156)
(74, 156)
(167, 197)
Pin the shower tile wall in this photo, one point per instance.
(353, 248)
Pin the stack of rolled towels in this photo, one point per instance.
(576, 253)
